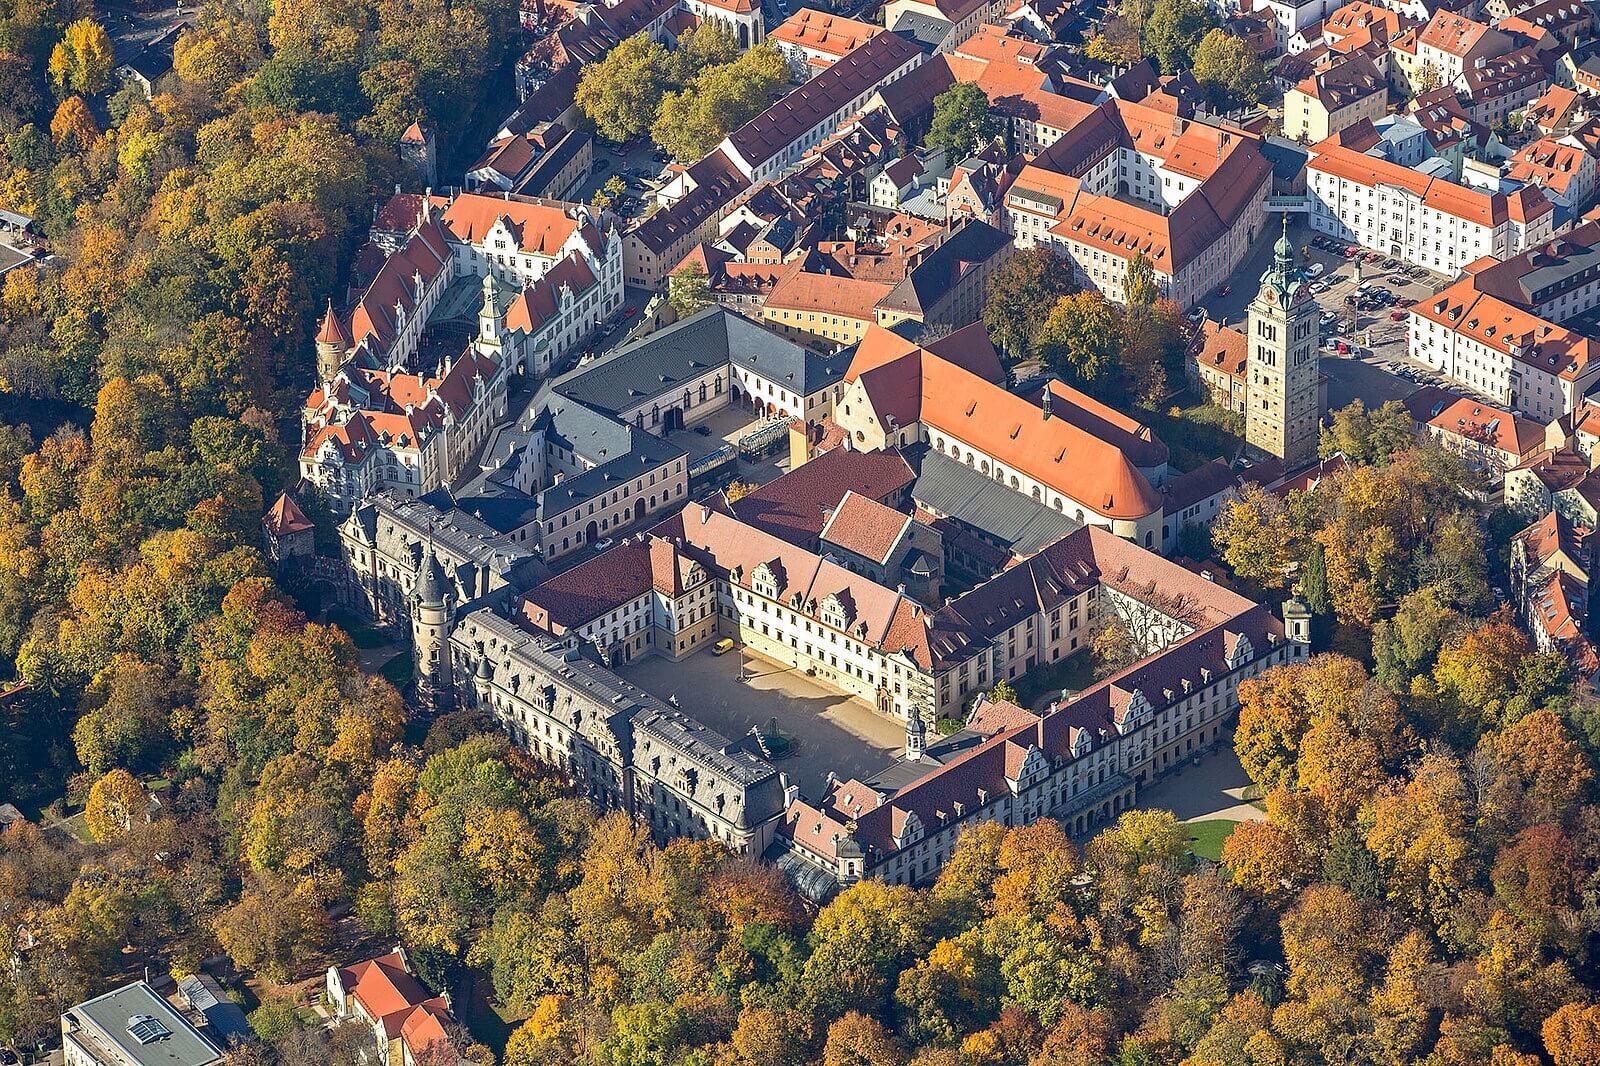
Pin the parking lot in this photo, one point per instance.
(639, 164)
(1363, 296)
(829, 732)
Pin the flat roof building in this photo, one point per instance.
(133, 1026)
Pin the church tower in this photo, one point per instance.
(1284, 412)
(432, 606)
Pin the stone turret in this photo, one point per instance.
(433, 602)
(333, 345)
(419, 152)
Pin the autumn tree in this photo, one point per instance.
(1117, 44)
(858, 1040)
(1572, 1035)
(1256, 536)
(275, 929)
(82, 60)
(116, 802)
(73, 127)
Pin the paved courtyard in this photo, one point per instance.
(829, 731)
(1212, 789)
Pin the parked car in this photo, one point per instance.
(603, 544)
(1316, 270)
(1397, 316)
(1224, 289)
(704, 431)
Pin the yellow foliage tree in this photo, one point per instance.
(114, 802)
(81, 61)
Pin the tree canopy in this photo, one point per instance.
(962, 121)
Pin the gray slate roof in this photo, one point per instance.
(660, 364)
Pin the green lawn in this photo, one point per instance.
(397, 671)
(1075, 672)
(361, 635)
(1205, 838)
(1198, 433)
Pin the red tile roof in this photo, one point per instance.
(285, 517)
(795, 505)
(866, 527)
(919, 384)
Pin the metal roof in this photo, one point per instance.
(950, 488)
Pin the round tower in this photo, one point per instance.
(432, 610)
(333, 345)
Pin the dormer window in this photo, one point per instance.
(832, 612)
(763, 581)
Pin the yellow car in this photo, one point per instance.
(723, 646)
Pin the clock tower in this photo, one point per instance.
(1284, 411)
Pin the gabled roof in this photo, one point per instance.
(921, 384)
(780, 125)
(796, 505)
(866, 527)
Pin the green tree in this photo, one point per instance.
(692, 121)
(1139, 283)
(1229, 70)
(1173, 31)
(1019, 296)
(962, 121)
(1082, 340)
(621, 93)
(689, 290)
(1003, 690)
(1368, 437)
(610, 193)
